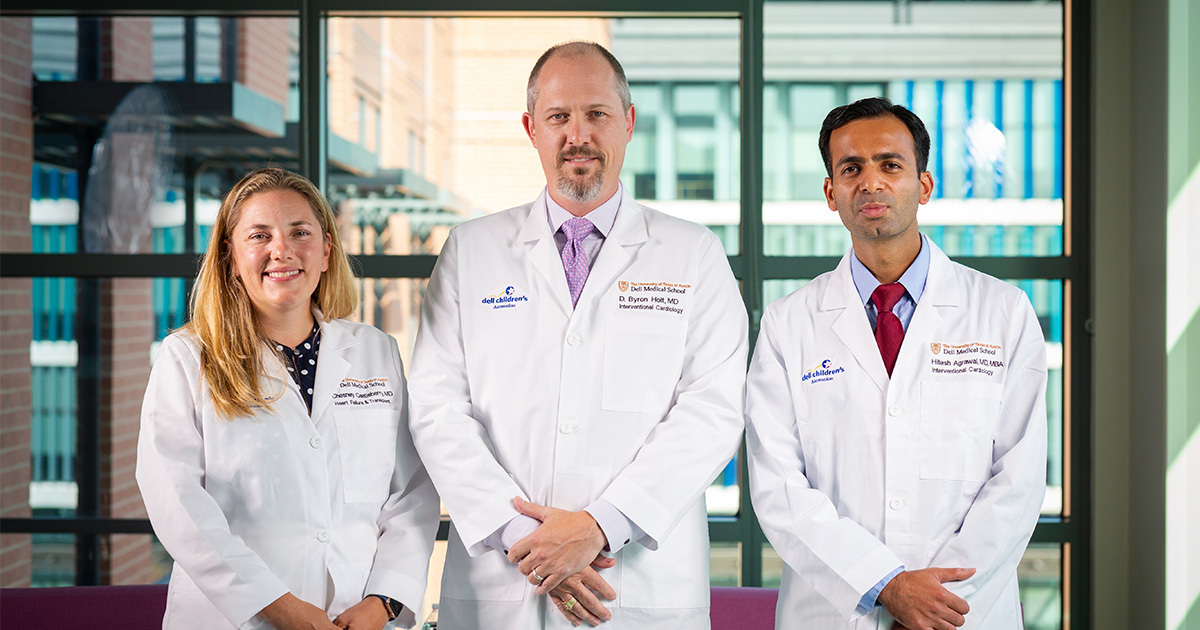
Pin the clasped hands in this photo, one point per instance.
(918, 601)
(292, 613)
(561, 558)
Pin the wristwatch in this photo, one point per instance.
(393, 607)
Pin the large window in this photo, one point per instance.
(412, 125)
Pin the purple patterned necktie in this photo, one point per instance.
(574, 257)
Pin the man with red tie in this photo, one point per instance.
(896, 419)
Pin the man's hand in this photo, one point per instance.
(918, 601)
(369, 614)
(292, 613)
(585, 589)
(565, 543)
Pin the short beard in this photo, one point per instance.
(585, 191)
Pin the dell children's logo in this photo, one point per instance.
(825, 371)
(508, 298)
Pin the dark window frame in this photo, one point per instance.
(1074, 267)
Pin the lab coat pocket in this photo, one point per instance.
(643, 359)
(367, 442)
(958, 420)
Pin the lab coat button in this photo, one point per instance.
(566, 428)
(323, 535)
(315, 442)
(574, 340)
(896, 504)
(895, 410)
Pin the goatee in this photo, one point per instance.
(585, 190)
(580, 190)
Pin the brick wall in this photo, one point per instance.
(494, 164)
(16, 158)
(126, 331)
(128, 49)
(262, 55)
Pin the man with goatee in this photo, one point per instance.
(577, 383)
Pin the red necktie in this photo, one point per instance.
(889, 332)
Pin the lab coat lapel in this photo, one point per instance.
(542, 253)
(275, 382)
(941, 291)
(628, 232)
(332, 366)
(852, 325)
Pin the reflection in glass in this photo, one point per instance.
(1047, 299)
(141, 168)
(995, 123)
(53, 557)
(1040, 577)
(772, 567)
(725, 564)
(1039, 574)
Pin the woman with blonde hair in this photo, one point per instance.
(274, 456)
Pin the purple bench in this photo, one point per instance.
(98, 607)
(141, 607)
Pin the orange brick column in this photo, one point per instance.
(16, 320)
(126, 330)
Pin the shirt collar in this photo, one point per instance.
(603, 216)
(913, 278)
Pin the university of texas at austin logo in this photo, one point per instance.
(935, 348)
(623, 285)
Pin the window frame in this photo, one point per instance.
(1072, 530)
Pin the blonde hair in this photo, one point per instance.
(222, 317)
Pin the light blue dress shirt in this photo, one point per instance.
(913, 280)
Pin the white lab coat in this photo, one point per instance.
(330, 508)
(852, 474)
(515, 394)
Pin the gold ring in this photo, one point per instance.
(569, 604)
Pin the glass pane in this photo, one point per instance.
(776, 289)
(202, 101)
(71, 383)
(124, 559)
(772, 567)
(995, 122)
(392, 305)
(1047, 299)
(724, 497)
(725, 564)
(1040, 577)
(53, 558)
(425, 120)
(133, 559)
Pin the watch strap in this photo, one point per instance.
(392, 606)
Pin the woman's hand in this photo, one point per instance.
(369, 614)
(292, 613)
